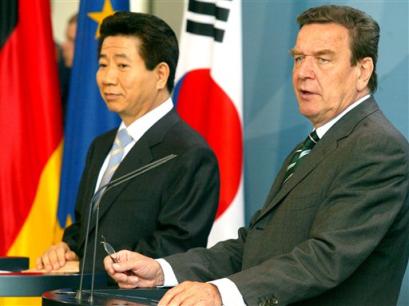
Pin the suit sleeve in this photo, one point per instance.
(188, 206)
(358, 211)
(223, 259)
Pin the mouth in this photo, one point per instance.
(111, 96)
(306, 94)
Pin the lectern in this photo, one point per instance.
(104, 297)
(19, 284)
(13, 263)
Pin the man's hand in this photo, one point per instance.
(192, 293)
(56, 257)
(132, 270)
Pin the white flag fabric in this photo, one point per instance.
(208, 95)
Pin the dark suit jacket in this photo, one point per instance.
(335, 234)
(166, 210)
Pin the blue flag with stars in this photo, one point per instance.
(87, 115)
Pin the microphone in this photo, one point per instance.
(94, 206)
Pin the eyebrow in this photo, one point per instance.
(116, 56)
(294, 52)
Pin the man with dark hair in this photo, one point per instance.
(165, 210)
(158, 41)
(334, 229)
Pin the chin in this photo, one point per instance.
(113, 107)
(306, 109)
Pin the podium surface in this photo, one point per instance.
(105, 297)
(19, 284)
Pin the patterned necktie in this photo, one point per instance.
(302, 151)
(122, 139)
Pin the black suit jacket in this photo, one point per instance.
(166, 210)
(335, 234)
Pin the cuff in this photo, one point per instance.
(229, 292)
(169, 277)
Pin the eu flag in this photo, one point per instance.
(87, 115)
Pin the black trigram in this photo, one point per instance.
(208, 9)
(8, 20)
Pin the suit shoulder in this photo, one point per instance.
(374, 138)
(106, 137)
(379, 130)
(184, 136)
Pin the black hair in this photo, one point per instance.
(158, 41)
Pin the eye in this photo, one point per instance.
(298, 59)
(323, 60)
(102, 65)
(122, 66)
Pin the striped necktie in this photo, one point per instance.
(122, 139)
(302, 151)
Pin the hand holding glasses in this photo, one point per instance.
(109, 249)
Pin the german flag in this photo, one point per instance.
(30, 129)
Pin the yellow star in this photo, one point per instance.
(107, 10)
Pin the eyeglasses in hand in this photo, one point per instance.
(109, 249)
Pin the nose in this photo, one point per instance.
(110, 76)
(305, 68)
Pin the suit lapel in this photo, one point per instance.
(140, 155)
(280, 177)
(100, 152)
(309, 164)
(325, 147)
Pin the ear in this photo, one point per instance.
(365, 70)
(162, 73)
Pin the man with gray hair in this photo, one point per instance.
(334, 229)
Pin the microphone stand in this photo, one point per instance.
(95, 204)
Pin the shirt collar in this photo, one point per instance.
(139, 127)
(324, 128)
